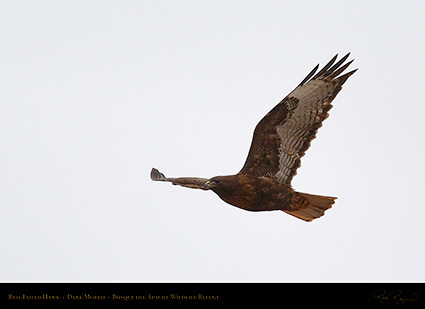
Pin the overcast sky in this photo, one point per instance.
(96, 93)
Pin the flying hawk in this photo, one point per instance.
(280, 139)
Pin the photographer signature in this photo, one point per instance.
(382, 296)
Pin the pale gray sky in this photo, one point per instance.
(96, 93)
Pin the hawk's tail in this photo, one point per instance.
(311, 206)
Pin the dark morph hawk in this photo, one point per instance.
(280, 139)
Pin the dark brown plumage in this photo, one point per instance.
(280, 139)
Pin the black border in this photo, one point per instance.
(213, 294)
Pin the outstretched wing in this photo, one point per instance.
(282, 137)
(188, 182)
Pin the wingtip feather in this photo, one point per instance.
(157, 175)
(330, 71)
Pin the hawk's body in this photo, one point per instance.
(280, 140)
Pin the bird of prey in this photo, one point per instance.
(280, 139)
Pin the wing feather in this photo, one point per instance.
(188, 182)
(283, 136)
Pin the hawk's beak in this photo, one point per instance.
(207, 185)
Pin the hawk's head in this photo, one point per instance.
(213, 183)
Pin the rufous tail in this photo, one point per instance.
(310, 206)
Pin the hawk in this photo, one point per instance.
(280, 139)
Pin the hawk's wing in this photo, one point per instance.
(188, 182)
(282, 137)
